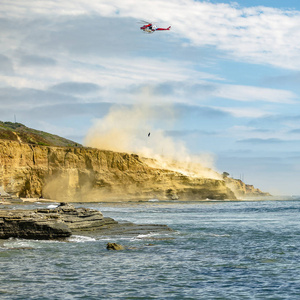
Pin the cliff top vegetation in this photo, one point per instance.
(21, 133)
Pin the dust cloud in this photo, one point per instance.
(127, 129)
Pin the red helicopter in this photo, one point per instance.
(150, 28)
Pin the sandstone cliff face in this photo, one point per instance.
(243, 190)
(86, 174)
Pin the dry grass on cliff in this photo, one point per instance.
(20, 133)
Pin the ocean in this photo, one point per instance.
(217, 250)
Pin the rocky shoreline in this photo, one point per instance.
(63, 221)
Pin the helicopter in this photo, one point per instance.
(151, 28)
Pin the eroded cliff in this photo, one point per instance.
(86, 174)
(243, 190)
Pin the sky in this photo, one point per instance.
(221, 85)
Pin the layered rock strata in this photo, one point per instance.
(244, 191)
(32, 225)
(63, 221)
(86, 174)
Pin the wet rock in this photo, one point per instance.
(20, 248)
(31, 225)
(131, 229)
(114, 246)
(65, 220)
(50, 223)
(79, 219)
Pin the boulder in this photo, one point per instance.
(114, 246)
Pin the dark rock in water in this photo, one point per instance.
(114, 246)
(49, 223)
(31, 225)
(131, 229)
(20, 248)
(79, 219)
(63, 221)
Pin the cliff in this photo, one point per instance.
(74, 174)
(243, 190)
(20, 133)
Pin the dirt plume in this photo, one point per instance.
(134, 130)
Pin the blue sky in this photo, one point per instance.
(222, 87)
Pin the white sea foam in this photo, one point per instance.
(16, 243)
(218, 235)
(142, 236)
(115, 238)
(153, 200)
(81, 239)
(23, 243)
(19, 243)
(146, 236)
(52, 205)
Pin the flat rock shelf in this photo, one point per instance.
(65, 220)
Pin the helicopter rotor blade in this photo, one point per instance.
(145, 22)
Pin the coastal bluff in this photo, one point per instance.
(79, 174)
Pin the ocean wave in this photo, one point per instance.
(217, 235)
(52, 205)
(24, 243)
(81, 239)
(153, 200)
(143, 236)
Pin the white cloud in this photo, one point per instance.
(252, 93)
(244, 112)
(260, 35)
(117, 73)
(249, 132)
